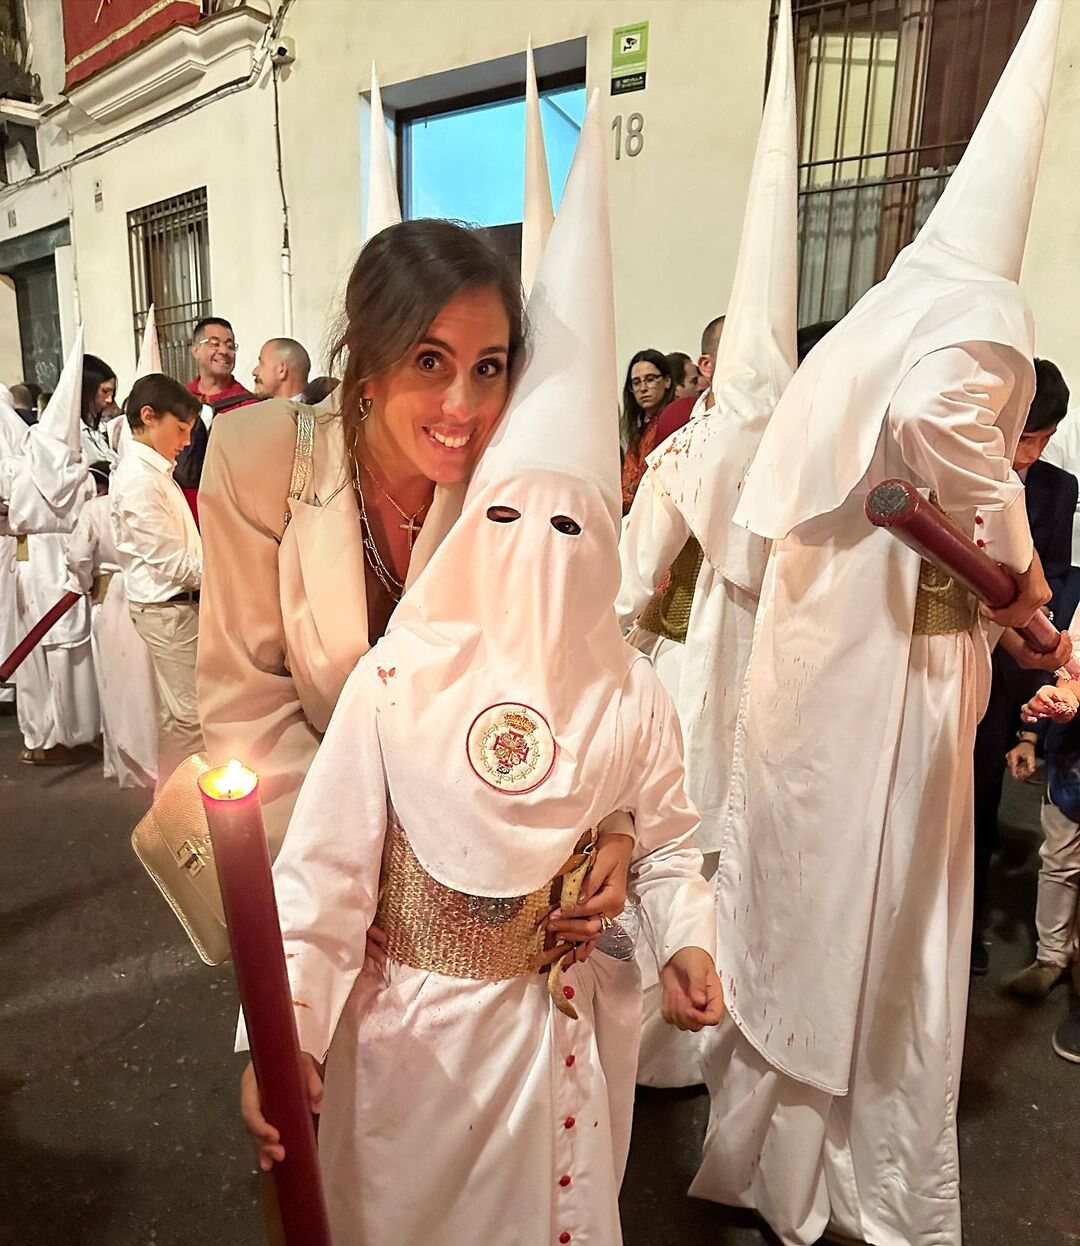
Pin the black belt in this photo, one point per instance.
(192, 596)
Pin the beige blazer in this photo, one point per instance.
(283, 618)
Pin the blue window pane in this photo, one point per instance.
(470, 165)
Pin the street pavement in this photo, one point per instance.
(118, 1090)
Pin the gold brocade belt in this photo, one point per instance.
(433, 927)
(668, 613)
(942, 606)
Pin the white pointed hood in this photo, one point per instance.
(118, 429)
(538, 214)
(13, 429)
(955, 283)
(982, 217)
(383, 208)
(54, 481)
(508, 637)
(150, 352)
(703, 465)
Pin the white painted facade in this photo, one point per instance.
(188, 110)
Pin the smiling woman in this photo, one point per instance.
(314, 519)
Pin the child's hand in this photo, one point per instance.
(603, 893)
(1021, 760)
(267, 1139)
(1060, 704)
(692, 996)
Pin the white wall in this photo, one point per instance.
(676, 208)
(11, 365)
(226, 147)
(1051, 276)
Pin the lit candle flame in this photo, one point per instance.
(230, 782)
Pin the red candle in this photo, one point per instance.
(234, 814)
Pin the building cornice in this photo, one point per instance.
(210, 54)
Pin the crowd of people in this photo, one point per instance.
(521, 863)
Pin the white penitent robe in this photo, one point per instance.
(57, 698)
(125, 677)
(844, 888)
(9, 616)
(510, 1120)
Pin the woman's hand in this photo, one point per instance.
(1021, 760)
(267, 1139)
(603, 894)
(1060, 704)
(691, 994)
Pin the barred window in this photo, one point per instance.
(889, 93)
(169, 244)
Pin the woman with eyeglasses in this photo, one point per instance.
(646, 392)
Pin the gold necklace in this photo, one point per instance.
(410, 525)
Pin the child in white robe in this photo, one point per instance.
(471, 753)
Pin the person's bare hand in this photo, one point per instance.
(1033, 593)
(603, 894)
(1021, 760)
(691, 993)
(1031, 659)
(1058, 704)
(266, 1137)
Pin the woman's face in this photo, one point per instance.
(431, 414)
(650, 386)
(692, 383)
(106, 392)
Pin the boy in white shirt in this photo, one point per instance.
(160, 553)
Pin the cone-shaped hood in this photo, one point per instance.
(62, 418)
(150, 353)
(13, 429)
(54, 479)
(539, 214)
(383, 208)
(562, 416)
(955, 284)
(982, 217)
(757, 353)
(507, 642)
(702, 467)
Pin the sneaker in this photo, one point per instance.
(1066, 1040)
(1037, 980)
(980, 958)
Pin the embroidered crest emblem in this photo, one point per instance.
(511, 748)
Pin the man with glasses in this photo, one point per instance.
(213, 348)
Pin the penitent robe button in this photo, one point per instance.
(564, 1181)
(979, 520)
(981, 544)
(569, 1123)
(564, 1238)
(568, 991)
(570, 1061)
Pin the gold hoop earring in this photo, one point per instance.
(365, 409)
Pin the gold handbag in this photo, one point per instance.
(173, 844)
(173, 840)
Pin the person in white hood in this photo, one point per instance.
(44, 489)
(844, 889)
(474, 748)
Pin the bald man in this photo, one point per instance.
(282, 370)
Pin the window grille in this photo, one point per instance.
(889, 93)
(169, 244)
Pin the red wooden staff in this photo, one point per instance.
(900, 507)
(234, 813)
(33, 637)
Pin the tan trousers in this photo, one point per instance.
(171, 633)
(1057, 909)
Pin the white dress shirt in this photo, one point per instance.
(157, 542)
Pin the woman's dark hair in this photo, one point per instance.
(95, 372)
(633, 414)
(161, 394)
(400, 282)
(677, 361)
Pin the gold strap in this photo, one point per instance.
(302, 456)
(942, 606)
(668, 613)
